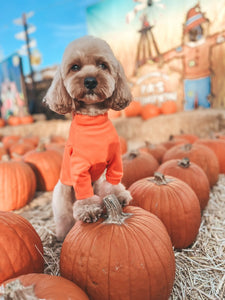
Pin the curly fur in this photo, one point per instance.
(68, 93)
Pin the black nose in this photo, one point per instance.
(90, 82)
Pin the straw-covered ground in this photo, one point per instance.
(200, 269)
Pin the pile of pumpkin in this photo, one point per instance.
(127, 254)
(146, 111)
(17, 120)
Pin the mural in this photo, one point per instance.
(170, 49)
(12, 98)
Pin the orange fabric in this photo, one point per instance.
(93, 146)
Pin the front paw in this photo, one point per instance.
(124, 197)
(88, 210)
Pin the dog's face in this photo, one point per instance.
(89, 73)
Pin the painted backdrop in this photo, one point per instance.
(170, 49)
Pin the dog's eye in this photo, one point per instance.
(75, 68)
(103, 66)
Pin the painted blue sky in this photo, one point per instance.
(58, 22)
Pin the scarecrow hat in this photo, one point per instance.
(194, 18)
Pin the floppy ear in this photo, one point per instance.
(57, 98)
(122, 95)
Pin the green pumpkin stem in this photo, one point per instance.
(115, 215)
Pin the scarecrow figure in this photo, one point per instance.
(195, 53)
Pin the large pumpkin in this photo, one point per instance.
(17, 184)
(190, 173)
(46, 165)
(174, 202)
(218, 147)
(43, 286)
(127, 256)
(137, 165)
(21, 250)
(199, 154)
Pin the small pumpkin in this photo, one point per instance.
(129, 255)
(199, 154)
(26, 119)
(218, 147)
(42, 286)
(3, 151)
(191, 138)
(137, 165)
(174, 202)
(168, 107)
(190, 173)
(20, 148)
(18, 184)
(2, 122)
(133, 109)
(157, 150)
(149, 111)
(13, 121)
(173, 141)
(9, 140)
(46, 165)
(21, 249)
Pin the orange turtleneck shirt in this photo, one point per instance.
(93, 146)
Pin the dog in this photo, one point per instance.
(89, 81)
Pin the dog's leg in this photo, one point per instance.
(103, 188)
(62, 203)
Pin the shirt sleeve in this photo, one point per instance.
(114, 171)
(81, 177)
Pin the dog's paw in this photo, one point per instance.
(124, 197)
(88, 210)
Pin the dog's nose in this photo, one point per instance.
(90, 82)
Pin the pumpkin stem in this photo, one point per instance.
(184, 162)
(160, 179)
(187, 147)
(131, 155)
(5, 157)
(16, 291)
(115, 215)
(41, 147)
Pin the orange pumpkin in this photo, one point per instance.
(46, 165)
(173, 141)
(44, 286)
(20, 148)
(137, 165)
(9, 140)
(3, 151)
(133, 109)
(190, 173)
(168, 107)
(14, 121)
(150, 111)
(191, 138)
(127, 256)
(2, 122)
(26, 119)
(18, 184)
(21, 250)
(173, 202)
(218, 147)
(199, 154)
(157, 150)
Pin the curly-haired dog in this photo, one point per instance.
(89, 81)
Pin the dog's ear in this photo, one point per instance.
(57, 98)
(122, 94)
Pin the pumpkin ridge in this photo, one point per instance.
(23, 242)
(9, 259)
(138, 226)
(128, 254)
